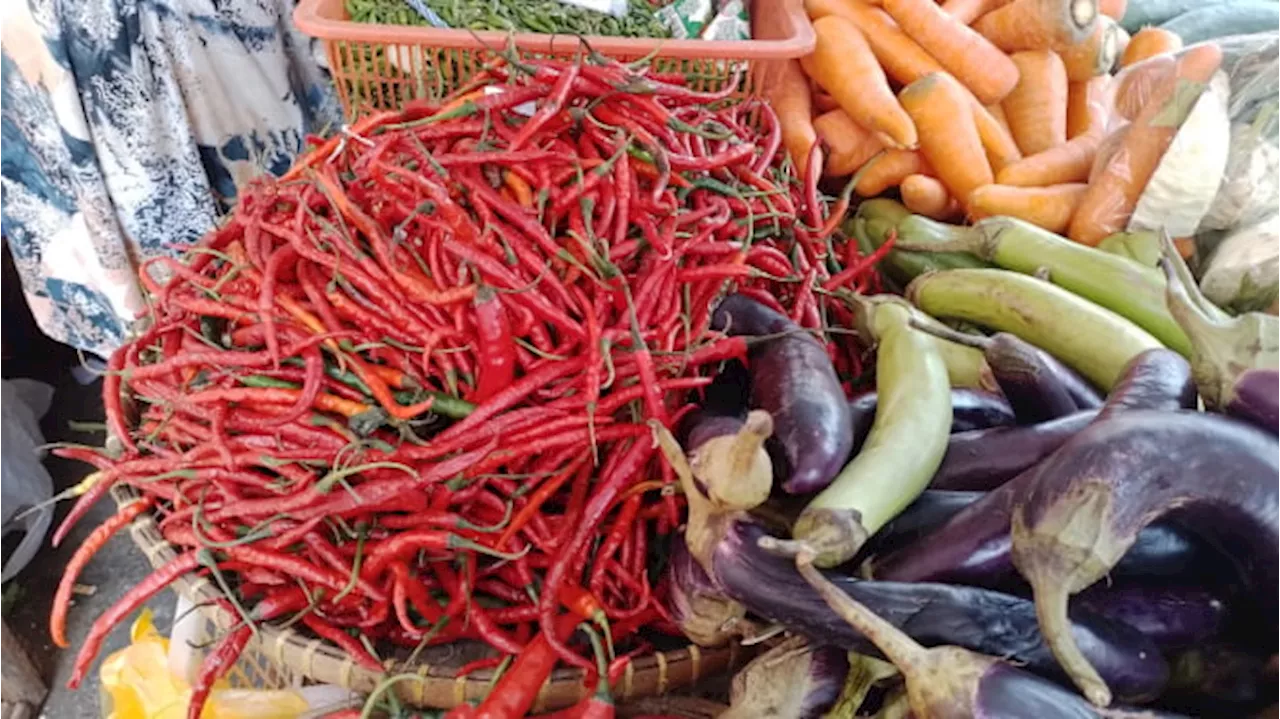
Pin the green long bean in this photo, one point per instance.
(545, 16)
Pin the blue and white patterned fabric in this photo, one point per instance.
(127, 127)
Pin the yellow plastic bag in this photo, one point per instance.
(137, 683)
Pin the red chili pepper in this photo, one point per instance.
(620, 531)
(496, 348)
(112, 387)
(629, 464)
(411, 541)
(536, 500)
(95, 541)
(347, 643)
(863, 266)
(137, 595)
(514, 694)
(215, 664)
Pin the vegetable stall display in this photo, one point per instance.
(402, 393)
(578, 357)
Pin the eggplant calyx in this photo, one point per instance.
(1224, 348)
(1070, 546)
(1212, 341)
(735, 469)
(833, 536)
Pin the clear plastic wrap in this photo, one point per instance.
(1217, 171)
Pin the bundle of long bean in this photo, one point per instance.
(405, 390)
(547, 16)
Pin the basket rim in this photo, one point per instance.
(320, 661)
(326, 19)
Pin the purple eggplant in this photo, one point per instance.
(705, 615)
(933, 614)
(1031, 384)
(971, 409)
(792, 378)
(1235, 360)
(983, 459)
(791, 680)
(1157, 379)
(932, 509)
(973, 547)
(1172, 617)
(1220, 681)
(1080, 510)
(950, 682)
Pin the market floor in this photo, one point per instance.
(116, 568)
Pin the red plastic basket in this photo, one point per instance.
(379, 67)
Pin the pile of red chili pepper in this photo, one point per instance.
(403, 395)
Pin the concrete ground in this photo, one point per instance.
(120, 565)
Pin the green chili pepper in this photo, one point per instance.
(545, 16)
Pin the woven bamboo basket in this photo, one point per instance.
(282, 658)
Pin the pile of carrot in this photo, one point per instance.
(404, 396)
(973, 108)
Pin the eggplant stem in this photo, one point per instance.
(946, 333)
(900, 649)
(1177, 273)
(749, 440)
(788, 548)
(1051, 599)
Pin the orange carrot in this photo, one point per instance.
(1113, 9)
(998, 113)
(1096, 55)
(997, 141)
(903, 59)
(889, 169)
(849, 145)
(1039, 24)
(1088, 106)
(927, 196)
(1048, 207)
(966, 11)
(1037, 107)
(843, 64)
(1135, 87)
(788, 93)
(1068, 162)
(949, 137)
(974, 61)
(1149, 42)
(823, 102)
(1107, 148)
(1110, 199)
